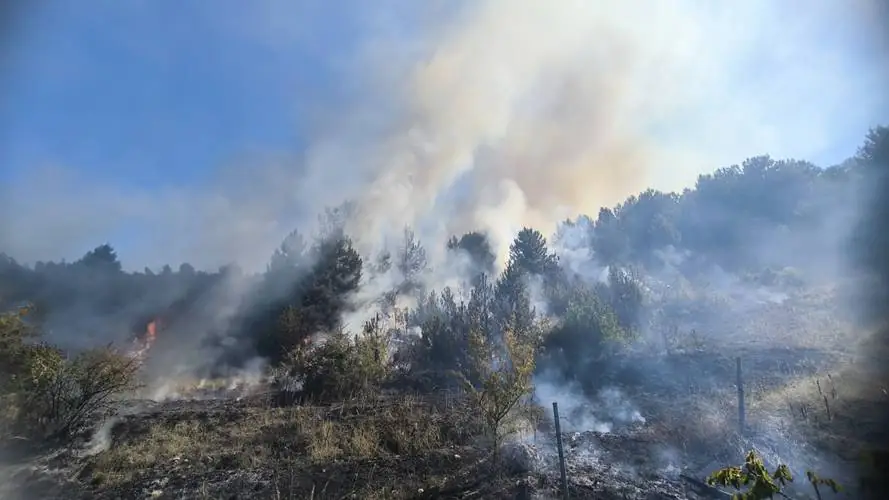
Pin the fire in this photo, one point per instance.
(144, 342)
(151, 332)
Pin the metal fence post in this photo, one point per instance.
(740, 381)
(562, 470)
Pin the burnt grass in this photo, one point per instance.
(392, 447)
(402, 446)
(389, 447)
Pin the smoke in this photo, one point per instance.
(182, 384)
(869, 251)
(492, 115)
(571, 244)
(524, 113)
(608, 411)
(489, 115)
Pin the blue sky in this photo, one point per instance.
(138, 114)
(160, 94)
(140, 96)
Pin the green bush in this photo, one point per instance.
(341, 365)
(79, 389)
(587, 335)
(46, 395)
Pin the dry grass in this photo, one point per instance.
(814, 319)
(256, 438)
(838, 411)
(842, 414)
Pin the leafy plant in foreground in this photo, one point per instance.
(759, 483)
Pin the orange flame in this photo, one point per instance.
(151, 332)
(144, 344)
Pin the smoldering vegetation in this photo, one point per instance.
(637, 317)
(479, 259)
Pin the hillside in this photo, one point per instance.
(428, 369)
(213, 441)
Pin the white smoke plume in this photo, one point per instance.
(526, 112)
(496, 114)
(607, 412)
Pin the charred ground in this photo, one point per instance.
(224, 444)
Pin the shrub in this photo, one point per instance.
(341, 365)
(583, 341)
(15, 334)
(45, 395)
(78, 390)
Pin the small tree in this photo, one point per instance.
(759, 483)
(370, 352)
(411, 262)
(529, 253)
(504, 378)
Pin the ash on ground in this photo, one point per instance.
(631, 464)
